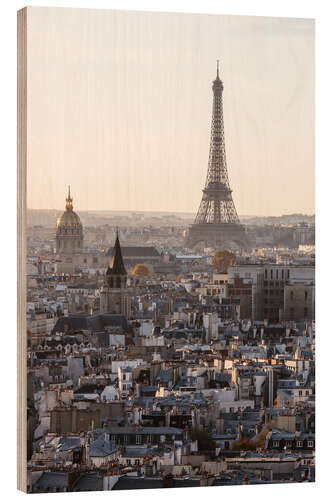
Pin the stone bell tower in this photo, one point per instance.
(115, 297)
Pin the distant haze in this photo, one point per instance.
(119, 107)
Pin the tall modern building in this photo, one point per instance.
(217, 223)
(114, 295)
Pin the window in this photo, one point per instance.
(265, 274)
(288, 444)
(276, 444)
(300, 393)
(271, 274)
(288, 274)
(299, 444)
(277, 274)
(128, 461)
(310, 444)
(138, 439)
(305, 296)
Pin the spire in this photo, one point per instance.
(217, 83)
(116, 265)
(69, 200)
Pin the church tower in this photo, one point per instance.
(114, 295)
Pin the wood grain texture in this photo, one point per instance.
(21, 249)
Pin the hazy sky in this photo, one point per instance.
(119, 107)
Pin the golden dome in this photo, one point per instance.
(69, 219)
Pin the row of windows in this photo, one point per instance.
(136, 462)
(271, 284)
(305, 295)
(138, 438)
(300, 393)
(299, 444)
(69, 244)
(279, 273)
(271, 292)
(271, 301)
(272, 310)
(292, 312)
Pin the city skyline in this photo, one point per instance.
(166, 260)
(102, 131)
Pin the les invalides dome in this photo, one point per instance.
(69, 231)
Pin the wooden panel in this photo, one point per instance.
(21, 248)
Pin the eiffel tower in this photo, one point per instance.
(217, 223)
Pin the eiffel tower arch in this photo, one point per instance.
(217, 223)
(217, 236)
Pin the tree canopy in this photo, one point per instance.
(222, 259)
(142, 271)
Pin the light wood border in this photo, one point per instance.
(21, 249)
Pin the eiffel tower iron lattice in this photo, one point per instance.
(217, 222)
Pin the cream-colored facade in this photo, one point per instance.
(68, 239)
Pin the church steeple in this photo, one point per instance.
(114, 296)
(116, 266)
